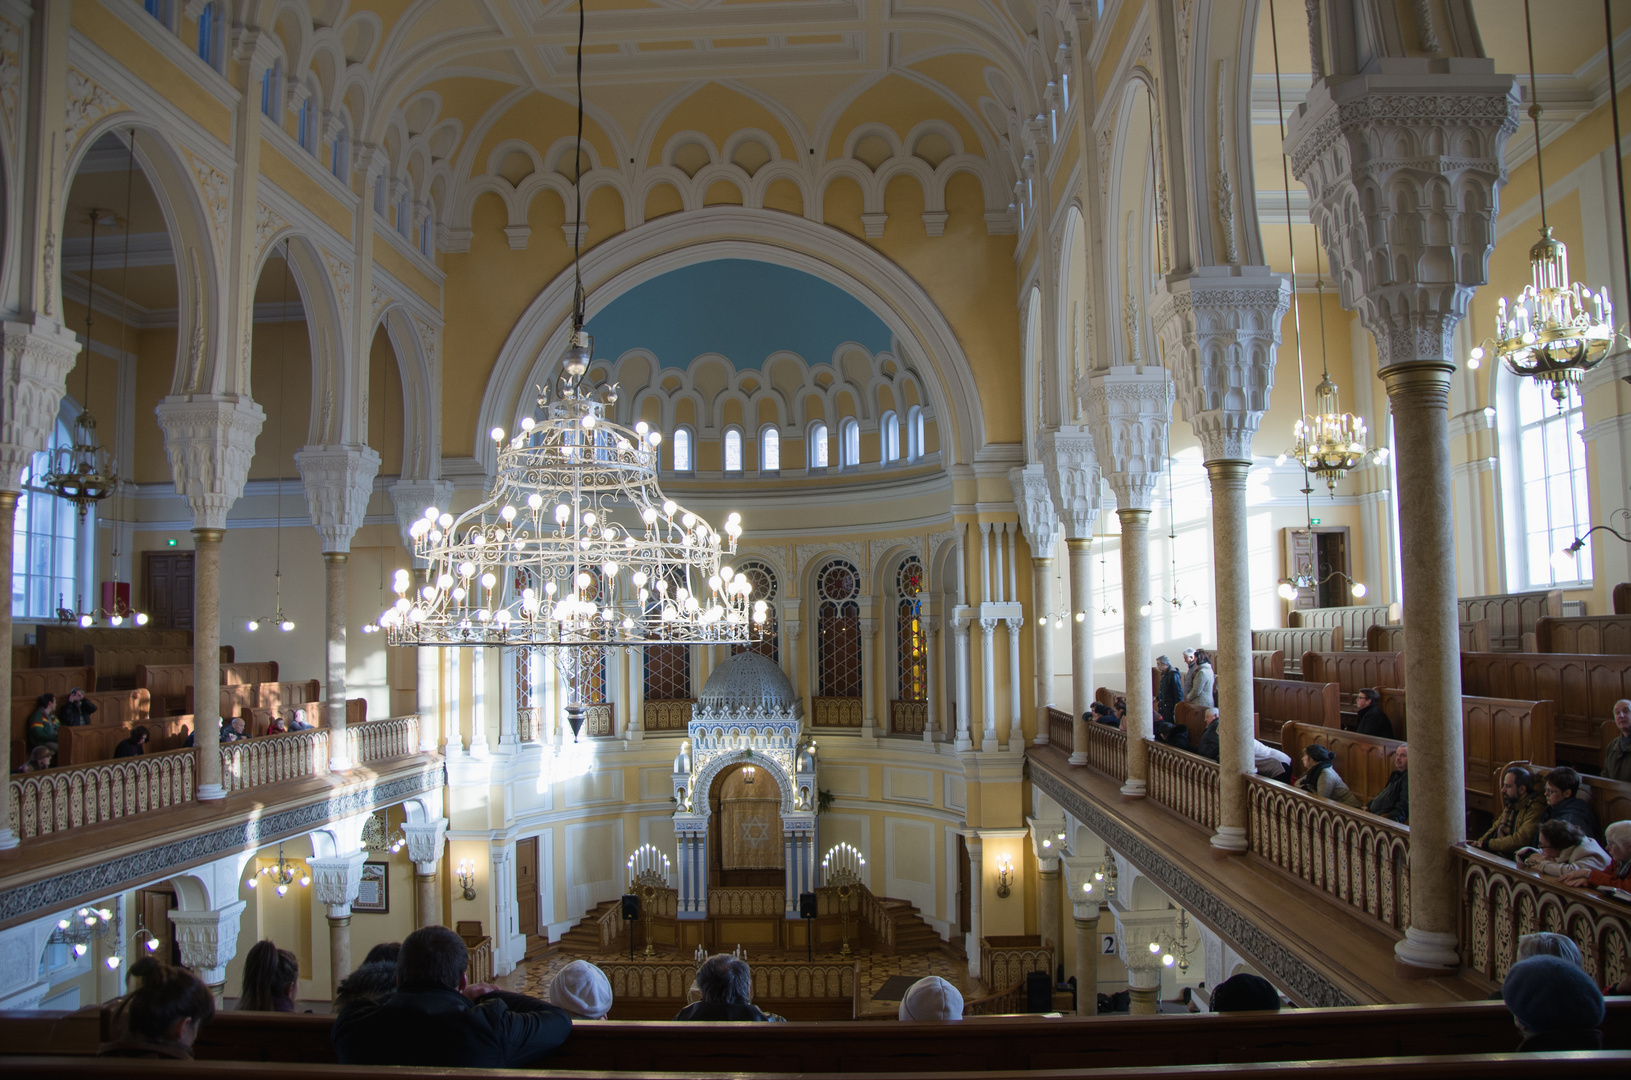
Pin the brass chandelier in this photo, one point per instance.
(84, 472)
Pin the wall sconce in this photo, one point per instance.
(1005, 876)
(466, 874)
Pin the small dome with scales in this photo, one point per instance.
(748, 682)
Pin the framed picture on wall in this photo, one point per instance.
(374, 894)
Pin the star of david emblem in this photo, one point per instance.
(755, 831)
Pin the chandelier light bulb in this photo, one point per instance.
(286, 625)
(1359, 590)
(84, 620)
(252, 625)
(1287, 591)
(498, 434)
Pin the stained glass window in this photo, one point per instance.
(911, 643)
(838, 630)
(763, 580)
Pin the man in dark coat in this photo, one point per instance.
(1209, 737)
(1372, 720)
(1563, 801)
(1170, 690)
(76, 712)
(1393, 801)
(726, 986)
(438, 1017)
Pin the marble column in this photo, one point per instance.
(976, 897)
(1070, 464)
(1135, 599)
(8, 534)
(334, 564)
(207, 660)
(1016, 707)
(336, 880)
(965, 739)
(1087, 959)
(1411, 291)
(427, 843)
(988, 685)
(1221, 327)
(1041, 604)
(1081, 643)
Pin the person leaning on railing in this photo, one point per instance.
(1617, 874)
(1563, 850)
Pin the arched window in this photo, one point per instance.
(306, 126)
(889, 435)
(763, 580)
(838, 631)
(1544, 478)
(733, 450)
(209, 35)
(683, 461)
(914, 433)
(45, 574)
(911, 643)
(817, 442)
(160, 10)
(770, 450)
(338, 155)
(272, 90)
(849, 449)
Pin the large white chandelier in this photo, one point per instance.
(575, 545)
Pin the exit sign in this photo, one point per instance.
(1313, 521)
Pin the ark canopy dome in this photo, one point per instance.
(749, 683)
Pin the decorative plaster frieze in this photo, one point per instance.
(208, 939)
(1071, 467)
(210, 439)
(336, 880)
(268, 223)
(88, 102)
(216, 191)
(340, 270)
(409, 498)
(11, 75)
(338, 482)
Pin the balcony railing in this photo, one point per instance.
(1185, 782)
(1061, 731)
(1358, 858)
(1500, 903)
(667, 715)
(908, 717)
(839, 712)
(1107, 750)
(1005, 961)
(272, 759)
(600, 720)
(56, 800)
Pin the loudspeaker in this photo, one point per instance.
(1038, 992)
(631, 906)
(807, 905)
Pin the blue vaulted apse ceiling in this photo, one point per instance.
(739, 308)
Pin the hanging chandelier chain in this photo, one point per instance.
(1535, 109)
(1619, 159)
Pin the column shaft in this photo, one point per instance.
(1420, 398)
(1048, 910)
(1135, 597)
(1016, 706)
(207, 660)
(334, 660)
(428, 908)
(1233, 664)
(965, 739)
(8, 535)
(1087, 966)
(988, 685)
(1043, 646)
(1081, 643)
(339, 948)
(1143, 999)
(933, 695)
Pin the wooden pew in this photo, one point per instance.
(32, 682)
(1268, 664)
(170, 684)
(1593, 634)
(1278, 702)
(1512, 724)
(1390, 638)
(249, 672)
(1296, 641)
(1621, 598)
(1363, 761)
(1354, 671)
(271, 695)
(66, 643)
(1354, 621)
(1610, 799)
(1511, 615)
(259, 721)
(1193, 718)
(128, 707)
(25, 656)
(116, 664)
(1581, 686)
(83, 745)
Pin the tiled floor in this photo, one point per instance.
(533, 976)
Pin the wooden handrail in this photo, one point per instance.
(56, 800)
(1184, 782)
(1061, 730)
(1107, 750)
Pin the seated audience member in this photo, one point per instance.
(1547, 944)
(373, 982)
(276, 726)
(1208, 747)
(1393, 801)
(38, 760)
(1118, 708)
(134, 745)
(41, 727)
(1617, 838)
(1320, 778)
(438, 1017)
(385, 950)
(1270, 762)
(1520, 821)
(1617, 758)
(232, 730)
(76, 711)
(1371, 719)
(726, 986)
(1555, 1005)
(1245, 993)
(271, 976)
(931, 998)
(1563, 801)
(583, 990)
(1563, 849)
(298, 723)
(1172, 734)
(162, 1016)
(1100, 713)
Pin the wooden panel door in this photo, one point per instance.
(167, 589)
(152, 908)
(526, 886)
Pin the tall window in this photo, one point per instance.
(849, 449)
(379, 195)
(402, 214)
(159, 9)
(682, 450)
(911, 643)
(838, 630)
(763, 580)
(818, 445)
(306, 126)
(914, 432)
(889, 434)
(209, 49)
(337, 163)
(271, 90)
(45, 555)
(1554, 508)
(733, 450)
(770, 450)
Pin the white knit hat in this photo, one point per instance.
(931, 998)
(582, 990)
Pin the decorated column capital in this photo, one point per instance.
(1086, 894)
(1070, 464)
(338, 482)
(208, 939)
(1129, 409)
(1136, 931)
(426, 840)
(1403, 167)
(988, 627)
(1045, 842)
(1034, 499)
(336, 880)
(210, 439)
(1220, 327)
(37, 357)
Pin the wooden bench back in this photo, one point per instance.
(1511, 615)
(116, 664)
(1354, 621)
(271, 695)
(1582, 687)
(1354, 671)
(1294, 641)
(1592, 634)
(1363, 761)
(1193, 718)
(259, 721)
(1493, 730)
(67, 643)
(1268, 663)
(170, 684)
(249, 672)
(121, 707)
(25, 656)
(1390, 638)
(84, 745)
(32, 682)
(1621, 598)
(1278, 702)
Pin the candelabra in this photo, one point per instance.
(842, 869)
(281, 874)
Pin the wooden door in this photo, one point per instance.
(526, 886)
(167, 589)
(964, 919)
(152, 913)
(1321, 553)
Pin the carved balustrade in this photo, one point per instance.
(1006, 960)
(56, 800)
(377, 740)
(1107, 750)
(667, 715)
(1500, 903)
(908, 717)
(272, 759)
(1061, 732)
(1184, 782)
(839, 712)
(479, 966)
